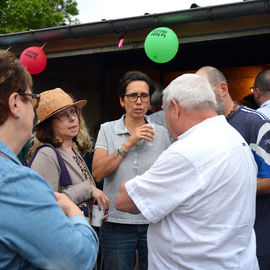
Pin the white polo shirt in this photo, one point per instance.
(200, 199)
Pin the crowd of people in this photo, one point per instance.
(185, 185)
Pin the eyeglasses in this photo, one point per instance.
(252, 89)
(134, 97)
(34, 98)
(63, 116)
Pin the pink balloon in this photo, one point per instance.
(34, 59)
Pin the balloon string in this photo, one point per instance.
(43, 45)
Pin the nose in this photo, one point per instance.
(139, 99)
(71, 117)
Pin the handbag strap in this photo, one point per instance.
(65, 179)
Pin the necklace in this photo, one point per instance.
(236, 105)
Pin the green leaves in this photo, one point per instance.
(22, 15)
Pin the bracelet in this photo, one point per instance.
(120, 151)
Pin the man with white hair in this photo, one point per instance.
(255, 129)
(199, 195)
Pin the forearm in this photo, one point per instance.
(79, 193)
(103, 167)
(124, 203)
(263, 186)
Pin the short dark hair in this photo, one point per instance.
(262, 80)
(131, 76)
(13, 78)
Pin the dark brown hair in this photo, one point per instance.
(131, 76)
(13, 78)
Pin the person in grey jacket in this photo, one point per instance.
(60, 124)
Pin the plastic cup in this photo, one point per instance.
(97, 216)
(150, 143)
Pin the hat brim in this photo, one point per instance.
(78, 104)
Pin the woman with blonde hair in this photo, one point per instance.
(61, 135)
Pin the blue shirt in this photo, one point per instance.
(265, 108)
(255, 128)
(34, 231)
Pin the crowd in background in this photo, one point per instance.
(185, 176)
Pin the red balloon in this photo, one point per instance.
(34, 59)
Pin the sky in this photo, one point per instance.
(96, 10)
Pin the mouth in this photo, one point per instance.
(73, 128)
(138, 110)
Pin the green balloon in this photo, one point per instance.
(161, 45)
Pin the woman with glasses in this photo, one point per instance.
(61, 127)
(125, 148)
(35, 233)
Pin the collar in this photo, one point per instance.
(120, 127)
(266, 103)
(214, 119)
(235, 107)
(9, 153)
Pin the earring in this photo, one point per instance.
(17, 116)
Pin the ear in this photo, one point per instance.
(223, 89)
(122, 103)
(176, 109)
(13, 104)
(257, 93)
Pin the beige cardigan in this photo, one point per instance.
(46, 164)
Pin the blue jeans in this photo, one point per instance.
(119, 243)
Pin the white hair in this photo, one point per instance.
(190, 91)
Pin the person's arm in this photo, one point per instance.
(124, 203)
(263, 186)
(261, 152)
(41, 231)
(69, 208)
(104, 164)
(46, 164)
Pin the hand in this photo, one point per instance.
(144, 132)
(69, 207)
(101, 198)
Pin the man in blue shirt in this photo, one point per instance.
(255, 128)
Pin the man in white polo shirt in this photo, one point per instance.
(199, 195)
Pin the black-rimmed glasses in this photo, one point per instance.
(34, 100)
(134, 97)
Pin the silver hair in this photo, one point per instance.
(190, 91)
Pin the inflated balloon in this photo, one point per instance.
(34, 59)
(161, 45)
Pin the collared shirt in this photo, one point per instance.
(202, 203)
(139, 158)
(34, 231)
(265, 108)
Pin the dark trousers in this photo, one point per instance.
(264, 262)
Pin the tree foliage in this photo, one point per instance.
(22, 15)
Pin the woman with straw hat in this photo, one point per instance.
(34, 232)
(61, 130)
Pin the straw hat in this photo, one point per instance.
(54, 101)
